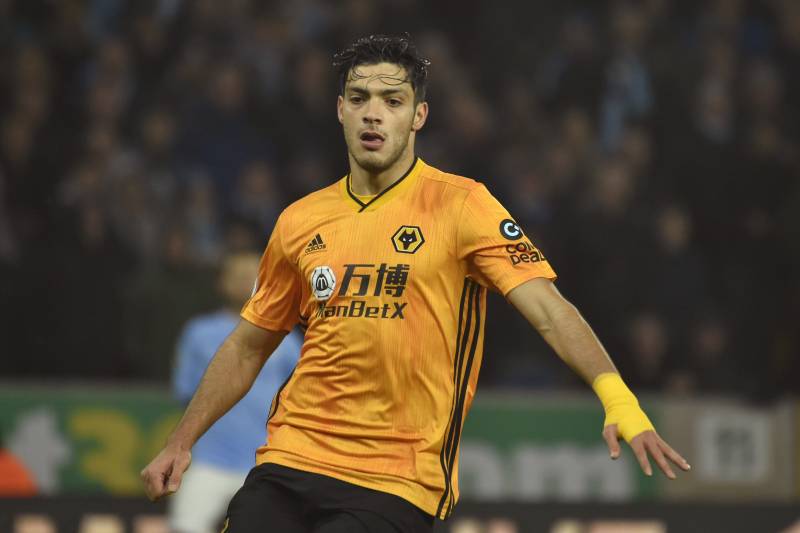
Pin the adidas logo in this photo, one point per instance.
(315, 245)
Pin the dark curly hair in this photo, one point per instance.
(375, 49)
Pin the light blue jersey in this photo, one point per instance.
(232, 441)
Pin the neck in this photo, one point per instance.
(367, 183)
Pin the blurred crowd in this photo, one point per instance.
(649, 148)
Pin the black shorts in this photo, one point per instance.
(279, 499)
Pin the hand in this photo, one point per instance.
(163, 475)
(646, 442)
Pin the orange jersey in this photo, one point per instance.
(392, 294)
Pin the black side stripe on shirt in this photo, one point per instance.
(277, 399)
(443, 453)
(464, 384)
(450, 446)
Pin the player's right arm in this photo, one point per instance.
(227, 379)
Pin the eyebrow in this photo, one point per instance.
(383, 92)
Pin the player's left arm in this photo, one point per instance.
(563, 327)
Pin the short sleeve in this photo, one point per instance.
(275, 302)
(499, 254)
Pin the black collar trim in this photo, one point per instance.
(384, 191)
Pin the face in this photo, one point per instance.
(378, 114)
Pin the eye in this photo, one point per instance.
(356, 99)
(394, 102)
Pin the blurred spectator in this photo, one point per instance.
(704, 165)
(83, 186)
(627, 95)
(9, 247)
(714, 370)
(307, 172)
(242, 234)
(265, 48)
(603, 253)
(788, 50)
(572, 73)
(257, 196)
(217, 138)
(68, 38)
(636, 147)
(150, 48)
(649, 353)
(221, 463)
(202, 219)
(158, 302)
(106, 101)
(673, 279)
(308, 91)
(138, 215)
(17, 139)
(154, 157)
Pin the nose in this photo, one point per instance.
(372, 113)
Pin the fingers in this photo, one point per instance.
(652, 446)
(637, 445)
(153, 483)
(612, 439)
(178, 468)
(164, 473)
(673, 456)
(645, 445)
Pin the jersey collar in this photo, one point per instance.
(386, 195)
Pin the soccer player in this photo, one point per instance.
(388, 270)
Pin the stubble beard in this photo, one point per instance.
(373, 163)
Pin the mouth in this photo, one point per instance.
(371, 140)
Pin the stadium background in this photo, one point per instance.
(650, 148)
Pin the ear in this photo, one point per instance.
(420, 116)
(339, 109)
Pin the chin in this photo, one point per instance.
(373, 163)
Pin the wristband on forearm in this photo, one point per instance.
(621, 406)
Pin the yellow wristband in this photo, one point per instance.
(621, 406)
